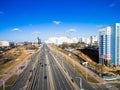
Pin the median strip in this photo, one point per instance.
(68, 78)
(50, 74)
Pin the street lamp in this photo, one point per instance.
(18, 70)
(63, 64)
(80, 82)
(74, 65)
(3, 85)
(73, 61)
(85, 63)
(86, 69)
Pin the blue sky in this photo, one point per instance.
(23, 20)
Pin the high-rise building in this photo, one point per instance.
(109, 45)
(94, 40)
(38, 41)
(85, 40)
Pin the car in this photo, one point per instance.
(45, 77)
(22, 67)
(72, 80)
(30, 71)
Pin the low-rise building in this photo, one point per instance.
(85, 40)
(93, 40)
(61, 40)
(4, 43)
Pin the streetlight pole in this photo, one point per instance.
(80, 83)
(63, 64)
(3, 85)
(73, 62)
(74, 65)
(18, 70)
(86, 63)
(86, 71)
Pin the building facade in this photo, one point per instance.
(85, 40)
(94, 40)
(61, 40)
(109, 45)
(4, 43)
(38, 41)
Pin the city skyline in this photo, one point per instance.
(24, 20)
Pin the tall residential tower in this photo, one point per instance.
(109, 45)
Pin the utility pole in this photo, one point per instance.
(3, 85)
(74, 65)
(18, 70)
(63, 64)
(86, 63)
(80, 80)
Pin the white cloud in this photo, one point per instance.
(30, 24)
(112, 4)
(36, 32)
(1, 12)
(60, 34)
(16, 29)
(72, 30)
(115, 3)
(99, 26)
(57, 22)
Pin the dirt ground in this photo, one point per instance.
(11, 58)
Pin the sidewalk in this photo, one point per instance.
(80, 66)
(15, 69)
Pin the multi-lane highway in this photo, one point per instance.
(60, 82)
(44, 73)
(73, 74)
(22, 80)
(38, 79)
(36, 76)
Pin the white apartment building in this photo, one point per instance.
(4, 43)
(85, 40)
(61, 40)
(93, 40)
(109, 44)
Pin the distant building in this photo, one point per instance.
(94, 40)
(85, 40)
(61, 40)
(4, 43)
(109, 45)
(20, 43)
(37, 42)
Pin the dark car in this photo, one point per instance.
(45, 77)
(30, 71)
(22, 67)
(45, 64)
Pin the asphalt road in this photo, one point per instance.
(60, 82)
(73, 74)
(39, 79)
(35, 76)
(20, 83)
